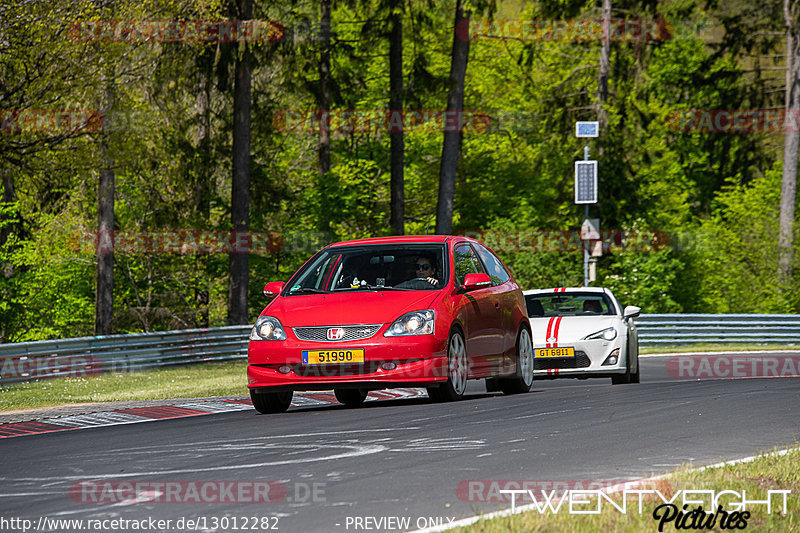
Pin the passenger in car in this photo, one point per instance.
(425, 267)
(592, 306)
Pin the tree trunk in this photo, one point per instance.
(8, 227)
(452, 122)
(790, 148)
(396, 138)
(203, 174)
(602, 77)
(324, 109)
(240, 188)
(104, 299)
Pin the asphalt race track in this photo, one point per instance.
(329, 468)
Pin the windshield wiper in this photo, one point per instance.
(309, 290)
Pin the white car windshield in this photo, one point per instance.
(569, 304)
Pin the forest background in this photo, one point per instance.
(690, 206)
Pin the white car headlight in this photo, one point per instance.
(267, 328)
(608, 334)
(414, 323)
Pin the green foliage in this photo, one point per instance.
(47, 291)
(645, 275)
(353, 199)
(734, 252)
(537, 258)
(714, 194)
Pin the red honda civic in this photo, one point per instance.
(411, 311)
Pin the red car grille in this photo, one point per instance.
(351, 333)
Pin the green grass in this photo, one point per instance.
(716, 347)
(211, 379)
(768, 472)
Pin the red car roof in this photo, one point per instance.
(398, 239)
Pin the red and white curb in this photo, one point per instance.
(136, 415)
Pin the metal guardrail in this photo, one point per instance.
(700, 328)
(83, 356)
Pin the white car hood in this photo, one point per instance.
(563, 331)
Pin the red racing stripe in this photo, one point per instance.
(555, 331)
(549, 330)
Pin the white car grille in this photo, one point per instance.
(581, 360)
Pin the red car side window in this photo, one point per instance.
(466, 262)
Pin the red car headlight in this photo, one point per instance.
(267, 328)
(414, 323)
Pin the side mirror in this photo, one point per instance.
(273, 288)
(631, 311)
(476, 281)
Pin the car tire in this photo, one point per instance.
(628, 376)
(635, 375)
(350, 397)
(523, 378)
(271, 402)
(453, 389)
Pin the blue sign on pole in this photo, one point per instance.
(587, 129)
(585, 182)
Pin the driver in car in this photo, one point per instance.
(425, 269)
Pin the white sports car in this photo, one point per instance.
(583, 332)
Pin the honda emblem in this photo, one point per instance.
(335, 334)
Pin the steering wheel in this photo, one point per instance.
(416, 283)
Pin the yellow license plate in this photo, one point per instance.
(555, 352)
(341, 356)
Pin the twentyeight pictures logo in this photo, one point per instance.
(682, 508)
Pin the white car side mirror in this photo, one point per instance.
(631, 311)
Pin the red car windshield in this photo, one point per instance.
(373, 267)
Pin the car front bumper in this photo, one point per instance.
(587, 362)
(418, 360)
